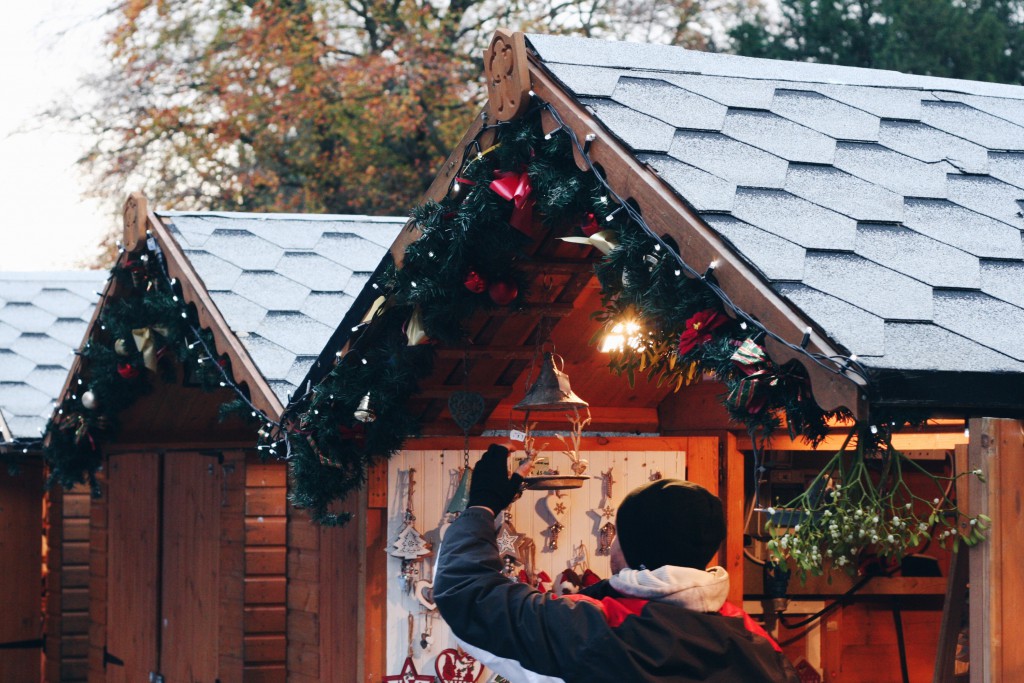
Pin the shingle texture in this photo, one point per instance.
(43, 317)
(886, 207)
(283, 282)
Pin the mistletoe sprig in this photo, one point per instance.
(860, 504)
(145, 333)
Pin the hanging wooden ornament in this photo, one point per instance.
(409, 545)
(456, 666)
(424, 594)
(409, 674)
(607, 536)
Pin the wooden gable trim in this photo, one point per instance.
(668, 215)
(243, 369)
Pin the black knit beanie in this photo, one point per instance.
(670, 521)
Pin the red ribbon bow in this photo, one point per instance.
(515, 187)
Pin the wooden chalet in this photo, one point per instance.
(42, 319)
(877, 213)
(186, 546)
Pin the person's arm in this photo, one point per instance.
(511, 620)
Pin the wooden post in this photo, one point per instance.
(997, 565)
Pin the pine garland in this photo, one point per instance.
(114, 373)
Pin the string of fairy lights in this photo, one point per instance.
(273, 432)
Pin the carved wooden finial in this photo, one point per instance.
(135, 220)
(508, 75)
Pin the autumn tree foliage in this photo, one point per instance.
(315, 105)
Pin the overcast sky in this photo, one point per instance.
(45, 47)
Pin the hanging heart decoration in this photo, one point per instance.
(456, 666)
(424, 593)
(466, 407)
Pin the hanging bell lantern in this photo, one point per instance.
(551, 391)
(363, 412)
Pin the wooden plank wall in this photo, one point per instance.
(435, 481)
(264, 583)
(997, 565)
(98, 580)
(67, 603)
(21, 589)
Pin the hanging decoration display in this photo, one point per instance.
(456, 666)
(409, 674)
(409, 544)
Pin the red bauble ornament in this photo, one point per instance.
(590, 226)
(127, 370)
(502, 292)
(475, 283)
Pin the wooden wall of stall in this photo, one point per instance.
(21, 588)
(187, 567)
(67, 580)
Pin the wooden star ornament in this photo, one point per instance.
(409, 674)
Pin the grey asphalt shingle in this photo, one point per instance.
(929, 144)
(677, 107)
(729, 159)
(886, 207)
(43, 317)
(962, 228)
(842, 192)
(903, 175)
(1007, 166)
(283, 282)
(642, 133)
(796, 219)
(825, 115)
(901, 249)
(780, 136)
(1004, 280)
(776, 258)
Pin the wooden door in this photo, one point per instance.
(133, 542)
(163, 582)
(191, 562)
(21, 509)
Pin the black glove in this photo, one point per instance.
(491, 486)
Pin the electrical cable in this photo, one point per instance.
(848, 364)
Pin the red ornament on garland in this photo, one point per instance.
(503, 292)
(590, 227)
(475, 283)
(127, 370)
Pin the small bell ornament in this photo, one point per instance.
(364, 413)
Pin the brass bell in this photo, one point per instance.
(551, 391)
(364, 413)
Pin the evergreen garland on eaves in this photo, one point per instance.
(114, 371)
(469, 230)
